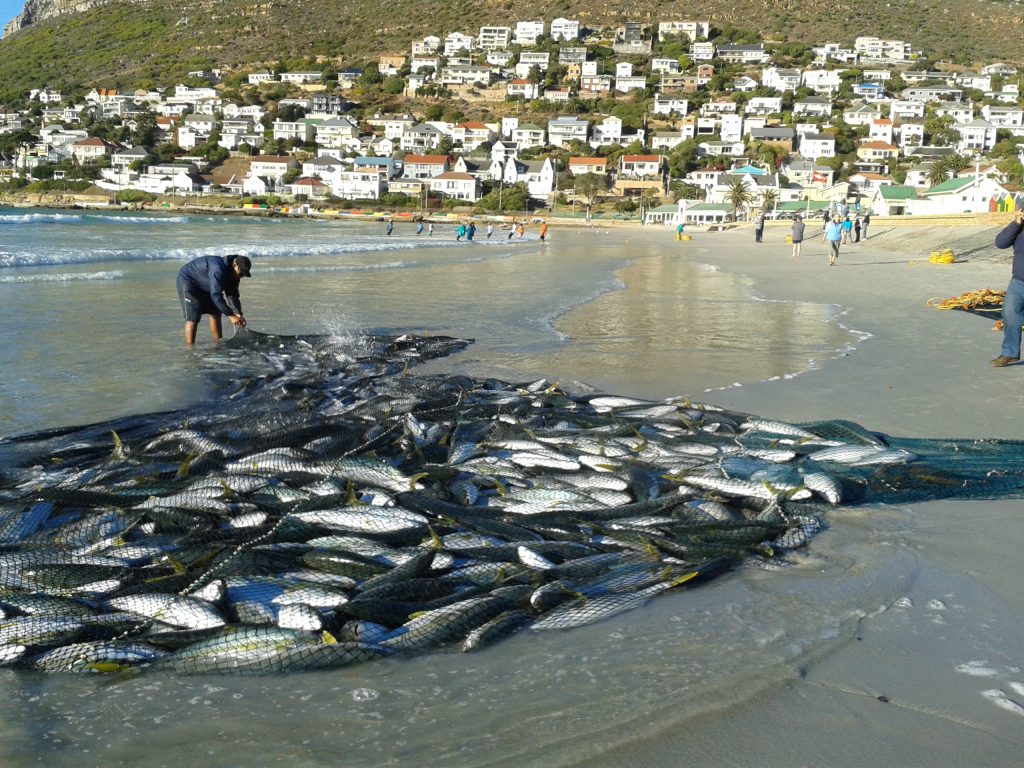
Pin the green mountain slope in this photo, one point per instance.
(131, 44)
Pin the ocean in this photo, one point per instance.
(93, 331)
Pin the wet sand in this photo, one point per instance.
(932, 678)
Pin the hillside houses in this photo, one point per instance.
(530, 102)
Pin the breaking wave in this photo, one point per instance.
(86, 218)
(61, 277)
(254, 251)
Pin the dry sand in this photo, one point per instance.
(934, 678)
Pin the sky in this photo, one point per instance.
(9, 9)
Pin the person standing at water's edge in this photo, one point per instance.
(834, 235)
(1012, 236)
(390, 227)
(543, 230)
(759, 227)
(208, 285)
(797, 235)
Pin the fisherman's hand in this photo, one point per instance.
(1019, 216)
(237, 320)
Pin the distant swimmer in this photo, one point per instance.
(520, 230)
(430, 228)
(390, 227)
(543, 230)
(460, 232)
(419, 228)
(471, 231)
(208, 285)
(490, 231)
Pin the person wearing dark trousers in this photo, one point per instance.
(208, 285)
(1012, 236)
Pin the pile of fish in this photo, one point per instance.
(329, 507)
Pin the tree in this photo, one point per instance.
(769, 199)
(737, 195)
(590, 186)
(938, 173)
(683, 191)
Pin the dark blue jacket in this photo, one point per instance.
(212, 276)
(1013, 235)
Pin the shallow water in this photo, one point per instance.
(95, 327)
(94, 332)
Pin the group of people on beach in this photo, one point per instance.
(842, 230)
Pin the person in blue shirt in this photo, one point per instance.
(834, 235)
(208, 285)
(1012, 236)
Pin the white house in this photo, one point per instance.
(822, 80)
(494, 38)
(453, 184)
(905, 109)
(358, 185)
(689, 29)
(424, 166)
(880, 130)
(812, 106)
(522, 87)
(263, 76)
(781, 79)
(875, 49)
(527, 32)
(429, 44)
(565, 129)
(814, 146)
(966, 194)
(456, 42)
(565, 29)
(976, 136)
(731, 128)
(667, 103)
(299, 130)
(300, 78)
(91, 149)
(630, 83)
(665, 141)
(272, 166)
(538, 175)
(764, 105)
(608, 131)
(170, 177)
(702, 52)
(665, 65)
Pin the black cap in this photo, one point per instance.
(244, 265)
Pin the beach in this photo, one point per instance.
(919, 683)
(895, 636)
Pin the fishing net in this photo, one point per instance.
(329, 507)
(983, 302)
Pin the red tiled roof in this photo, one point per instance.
(588, 161)
(641, 158)
(426, 159)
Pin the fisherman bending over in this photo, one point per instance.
(208, 285)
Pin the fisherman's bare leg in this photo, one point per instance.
(215, 327)
(190, 333)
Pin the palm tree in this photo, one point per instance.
(737, 195)
(938, 173)
(769, 199)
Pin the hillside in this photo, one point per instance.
(149, 42)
